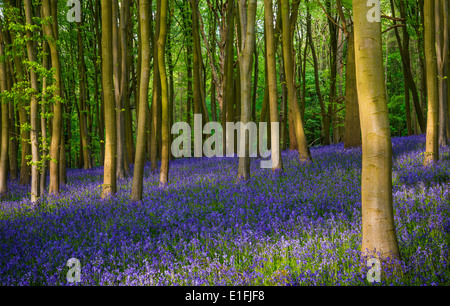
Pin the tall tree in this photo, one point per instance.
(442, 46)
(164, 174)
(144, 21)
(118, 91)
(51, 35)
(247, 13)
(378, 229)
(34, 108)
(272, 82)
(302, 145)
(352, 137)
(87, 163)
(432, 144)
(4, 121)
(109, 179)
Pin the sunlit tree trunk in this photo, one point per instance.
(109, 180)
(5, 122)
(288, 57)
(378, 229)
(432, 144)
(34, 109)
(272, 82)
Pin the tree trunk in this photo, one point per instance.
(144, 21)
(378, 229)
(277, 164)
(57, 95)
(109, 179)
(352, 136)
(442, 62)
(247, 44)
(82, 103)
(4, 123)
(289, 64)
(34, 109)
(432, 144)
(165, 148)
(156, 102)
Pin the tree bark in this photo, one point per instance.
(302, 145)
(352, 137)
(4, 122)
(378, 230)
(109, 178)
(247, 19)
(165, 148)
(277, 164)
(140, 158)
(57, 95)
(442, 63)
(34, 108)
(432, 142)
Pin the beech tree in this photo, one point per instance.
(5, 120)
(432, 142)
(378, 228)
(288, 57)
(144, 22)
(272, 82)
(33, 107)
(247, 15)
(49, 31)
(109, 180)
(164, 174)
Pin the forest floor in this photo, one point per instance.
(302, 227)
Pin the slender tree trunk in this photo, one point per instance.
(82, 103)
(117, 65)
(164, 174)
(330, 120)
(4, 122)
(228, 101)
(352, 137)
(255, 83)
(156, 102)
(247, 44)
(432, 144)
(109, 180)
(126, 117)
(199, 108)
(272, 81)
(57, 95)
(34, 108)
(144, 21)
(302, 145)
(316, 75)
(378, 230)
(442, 62)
